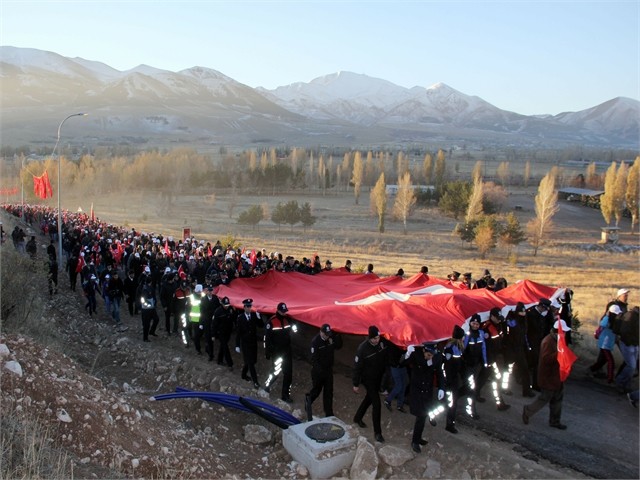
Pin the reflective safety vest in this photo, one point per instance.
(194, 312)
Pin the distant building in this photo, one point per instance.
(393, 189)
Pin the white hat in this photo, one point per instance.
(107, 277)
(147, 270)
(167, 270)
(198, 288)
(561, 324)
(621, 292)
(615, 309)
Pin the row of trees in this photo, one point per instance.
(621, 192)
(289, 213)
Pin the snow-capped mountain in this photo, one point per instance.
(202, 105)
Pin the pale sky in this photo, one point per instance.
(530, 57)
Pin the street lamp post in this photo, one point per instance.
(59, 210)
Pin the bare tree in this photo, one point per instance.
(358, 174)
(379, 201)
(402, 165)
(405, 200)
(546, 206)
(632, 195)
(253, 160)
(346, 168)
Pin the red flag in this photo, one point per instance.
(209, 252)
(81, 263)
(167, 251)
(36, 186)
(47, 185)
(566, 357)
(253, 257)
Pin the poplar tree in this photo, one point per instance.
(592, 179)
(526, 176)
(427, 168)
(632, 195)
(358, 173)
(405, 200)
(607, 199)
(441, 168)
(503, 172)
(379, 201)
(620, 190)
(476, 174)
(474, 210)
(546, 206)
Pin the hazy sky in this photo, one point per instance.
(525, 56)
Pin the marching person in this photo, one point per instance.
(536, 321)
(195, 327)
(323, 346)
(551, 387)
(427, 370)
(495, 329)
(248, 323)
(457, 382)
(222, 328)
(475, 356)
(516, 347)
(277, 348)
(179, 302)
(370, 365)
(147, 297)
(210, 304)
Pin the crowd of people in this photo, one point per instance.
(147, 270)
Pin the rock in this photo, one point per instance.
(257, 434)
(433, 469)
(63, 416)
(14, 367)
(4, 351)
(394, 455)
(365, 463)
(135, 463)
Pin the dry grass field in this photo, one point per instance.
(346, 230)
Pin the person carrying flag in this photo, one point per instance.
(553, 369)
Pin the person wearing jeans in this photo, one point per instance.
(628, 344)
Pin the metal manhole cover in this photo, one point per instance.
(324, 432)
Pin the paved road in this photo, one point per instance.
(601, 440)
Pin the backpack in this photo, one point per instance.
(600, 328)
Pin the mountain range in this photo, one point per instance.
(199, 106)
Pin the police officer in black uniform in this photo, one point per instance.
(222, 328)
(323, 346)
(370, 364)
(277, 348)
(247, 340)
(209, 305)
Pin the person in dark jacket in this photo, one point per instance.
(72, 264)
(168, 286)
(536, 322)
(495, 329)
(627, 327)
(551, 386)
(146, 295)
(115, 294)
(323, 346)
(277, 348)
(248, 323)
(130, 289)
(516, 347)
(427, 371)
(457, 378)
(370, 364)
(210, 304)
(475, 356)
(222, 328)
